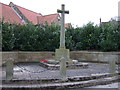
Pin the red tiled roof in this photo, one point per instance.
(30, 15)
(67, 25)
(40, 19)
(9, 15)
(48, 18)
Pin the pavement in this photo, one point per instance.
(33, 71)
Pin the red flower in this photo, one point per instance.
(43, 61)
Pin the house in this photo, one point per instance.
(113, 19)
(68, 25)
(16, 14)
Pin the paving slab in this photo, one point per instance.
(34, 71)
(32, 75)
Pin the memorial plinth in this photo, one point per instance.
(62, 52)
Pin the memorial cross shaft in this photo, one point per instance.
(62, 54)
(62, 32)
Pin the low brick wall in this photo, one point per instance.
(27, 56)
(21, 56)
(95, 56)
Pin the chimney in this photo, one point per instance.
(11, 4)
(100, 21)
(40, 14)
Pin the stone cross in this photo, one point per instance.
(62, 53)
(62, 32)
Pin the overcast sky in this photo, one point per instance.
(81, 11)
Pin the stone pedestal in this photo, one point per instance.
(9, 69)
(62, 55)
(62, 52)
(112, 66)
(112, 63)
(63, 68)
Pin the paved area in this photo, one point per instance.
(26, 71)
(113, 85)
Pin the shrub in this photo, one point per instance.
(70, 43)
(35, 38)
(8, 38)
(109, 37)
(88, 37)
(47, 38)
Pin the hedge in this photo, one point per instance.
(46, 38)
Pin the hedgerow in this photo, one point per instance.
(31, 37)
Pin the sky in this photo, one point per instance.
(80, 11)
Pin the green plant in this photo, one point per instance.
(31, 37)
(8, 38)
(109, 37)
